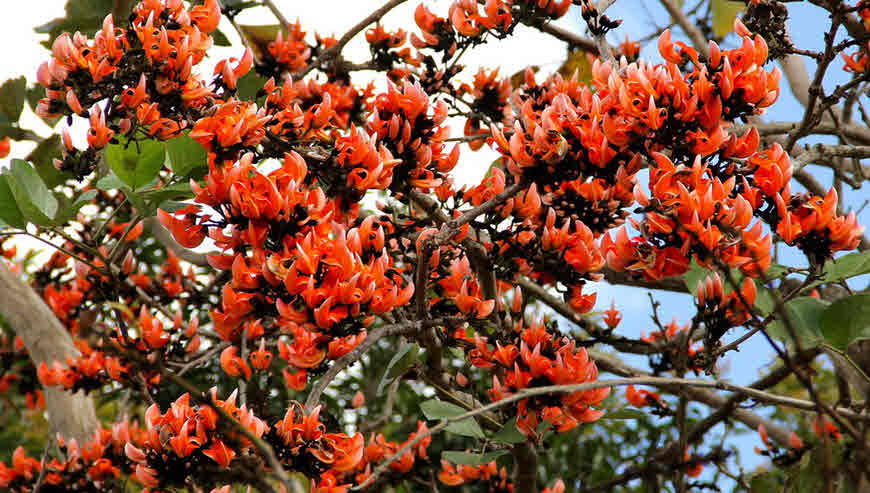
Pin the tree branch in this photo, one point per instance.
(71, 415)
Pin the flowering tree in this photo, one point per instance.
(267, 277)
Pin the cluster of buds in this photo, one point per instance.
(720, 311)
(782, 458)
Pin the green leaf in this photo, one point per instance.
(764, 482)
(249, 85)
(177, 191)
(43, 157)
(724, 13)
(846, 320)
(467, 428)
(111, 182)
(625, 413)
(805, 314)
(399, 364)
(81, 15)
(437, 410)
(34, 199)
(13, 92)
(220, 39)
(10, 214)
(68, 209)
(847, 266)
(470, 459)
(509, 433)
(136, 163)
(260, 36)
(185, 155)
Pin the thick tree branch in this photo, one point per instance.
(71, 415)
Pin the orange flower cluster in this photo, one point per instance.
(538, 243)
(298, 437)
(16, 373)
(824, 428)
(290, 51)
(467, 21)
(146, 73)
(491, 95)
(720, 311)
(664, 339)
(406, 124)
(98, 463)
(93, 368)
(186, 434)
(813, 224)
(496, 479)
(643, 398)
(387, 50)
(379, 449)
(793, 454)
(324, 283)
(536, 356)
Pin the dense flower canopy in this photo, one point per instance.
(333, 223)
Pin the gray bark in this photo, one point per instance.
(71, 415)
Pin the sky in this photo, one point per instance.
(24, 54)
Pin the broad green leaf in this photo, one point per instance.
(176, 191)
(509, 433)
(185, 155)
(438, 410)
(577, 62)
(136, 163)
(625, 414)
(13, 92)
(68, 209)
(846, 320)
(724, 13)
(466, 427)
(10, 214)
(81, 15)
(259, 37)
(111, 182)
(43, 157)
(249, 85)
(694, 275)
(34, 199)
(172, 205)
(805, 314)
(469, 459)
(764, 482)
(399, 364)
(847, 266)
(220, 39)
